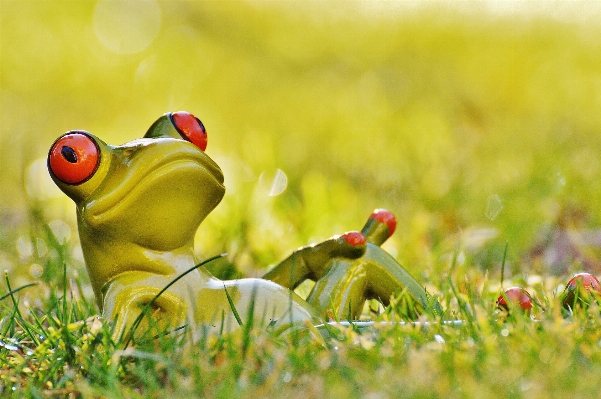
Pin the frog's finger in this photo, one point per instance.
(380, 225)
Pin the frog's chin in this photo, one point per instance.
(162, 208)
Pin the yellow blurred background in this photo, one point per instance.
(477, 124)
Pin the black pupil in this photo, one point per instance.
(69, 154)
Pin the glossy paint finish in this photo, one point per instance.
(138, 210)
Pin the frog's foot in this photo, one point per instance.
(136, 302)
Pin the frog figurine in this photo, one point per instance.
(138, 208)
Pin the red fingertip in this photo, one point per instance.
(384, 216)
(354, 238)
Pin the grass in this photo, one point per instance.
(478, 129)
(61, 349)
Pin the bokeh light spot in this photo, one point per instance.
(127, 27)
(38, 183)
(276, 185)
(494, 206)
(24, 247)
(36, 270)
(61, 230)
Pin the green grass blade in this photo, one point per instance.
(233, 307)
(17, 290)
(65, 320)
(249, 324)
(24, 324)
(503, 263)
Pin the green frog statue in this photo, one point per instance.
(138, 208)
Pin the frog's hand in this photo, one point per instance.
(386, 277)
(313, 261)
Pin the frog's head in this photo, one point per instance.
(152, 192)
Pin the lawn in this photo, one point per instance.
(478, 125)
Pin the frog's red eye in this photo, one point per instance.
(74, 157)
(190, 128)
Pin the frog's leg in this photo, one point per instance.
(126, 297)
(311, 262)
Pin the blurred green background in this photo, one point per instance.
(477, 124)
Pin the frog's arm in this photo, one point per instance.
(133, 293)
(312, 261)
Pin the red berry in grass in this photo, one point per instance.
(586, 280)
(517, 296)
(580, 290)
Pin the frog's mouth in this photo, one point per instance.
(157, 186)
